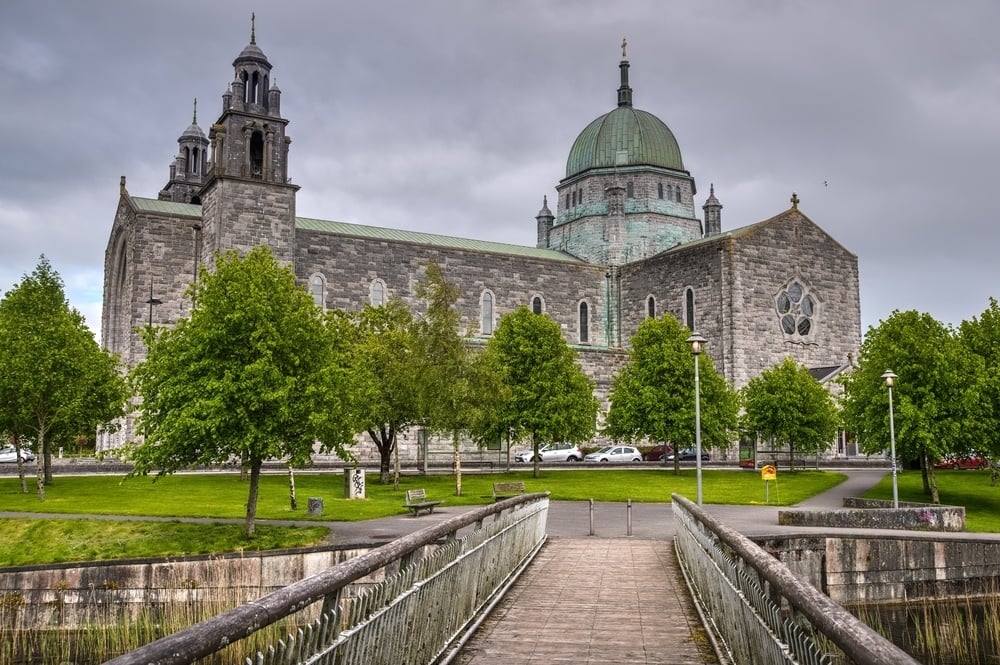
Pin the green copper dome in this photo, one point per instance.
(624, 137)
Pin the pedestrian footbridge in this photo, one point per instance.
(488, 586)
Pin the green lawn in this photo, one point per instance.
(223, 496)
(967, 488)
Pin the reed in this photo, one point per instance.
(956, 630)
(114, 628)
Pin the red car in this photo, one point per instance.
(962, 462)
(656, 453)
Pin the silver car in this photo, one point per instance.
(615, 454)
(8, 454)
(551, 452)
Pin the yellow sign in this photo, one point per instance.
(768, 473)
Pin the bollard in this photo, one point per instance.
(628, 518)
(592, 517)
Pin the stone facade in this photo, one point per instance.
(626, 243)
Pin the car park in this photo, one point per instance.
(551, 452)
(688, 455)
(958, 462)
(656, 453)
(9, 454)
(615, 454)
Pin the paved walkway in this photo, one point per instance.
(594, 601)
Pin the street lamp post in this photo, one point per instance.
(152, 301)
(889, 378)
(696, 341)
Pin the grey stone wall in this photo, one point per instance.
(855, 569)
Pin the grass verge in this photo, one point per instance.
(223, 496)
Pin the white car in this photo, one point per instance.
(551, 452)
(8, 454)
(615, 454)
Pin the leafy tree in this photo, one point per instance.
(981, 336)
(652, 397)
(936, 391)
(255, 373)
(447, 382)
(786, 405)
(55, 381)
(388, 367)
(549, 398)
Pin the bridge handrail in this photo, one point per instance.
(860, 643)
(211, 635)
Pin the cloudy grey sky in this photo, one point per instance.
(456, 117)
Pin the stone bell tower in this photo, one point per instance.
(248, 199)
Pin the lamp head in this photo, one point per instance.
(889, 377)
(696, 341)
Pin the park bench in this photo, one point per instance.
(503, 491)
(416, 500)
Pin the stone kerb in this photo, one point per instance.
(879, 514)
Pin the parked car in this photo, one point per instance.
(9, 454)
(655, 454)
(962, 462)
(615, 454)
(551, 452)
(687, 455)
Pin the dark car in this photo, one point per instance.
(655, 454)
(687, 455)
(962, 462)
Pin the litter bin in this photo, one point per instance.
(354, 483)
(315, 506)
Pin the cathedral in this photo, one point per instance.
(625, 242)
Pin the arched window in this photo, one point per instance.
(584, 324)
(376, 293)
(317, 289)
(659, 189)
(689, 308)
(194, 166)
(651, 307)
(256, 153)
(677, 194)
(486, 313)
(536, 305)
(630, 189)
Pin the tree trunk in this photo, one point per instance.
(39, 463)
(935, 497)
(48, 462)
(252, 498)
(395, 467)
(291, 488)
(924, 465)
(458, 463)
(534, 457)
(384, 440)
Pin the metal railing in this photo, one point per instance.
(760, 611)
(423, 603)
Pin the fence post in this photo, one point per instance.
(592, 517)
(628, 518)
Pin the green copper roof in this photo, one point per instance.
(376, 233)
(624, 137)
(167, 207)
(449, 242)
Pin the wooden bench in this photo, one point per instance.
(416, 500)
(503, 491)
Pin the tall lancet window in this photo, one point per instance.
(689, 308)
(486, 313)
(584, 323)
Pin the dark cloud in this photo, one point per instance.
(456, 118)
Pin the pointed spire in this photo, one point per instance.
(253, 28)
(544, 212)
(194, 117)
(624, 91)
